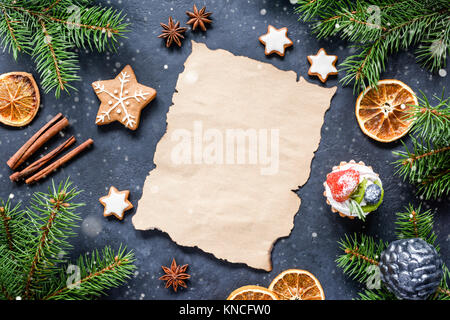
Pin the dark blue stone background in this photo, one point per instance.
(123, 158)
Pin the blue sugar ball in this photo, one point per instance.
(372, 194)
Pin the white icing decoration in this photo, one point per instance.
(130, 121)
(322, 64)
(115, 203)
(364, 172)
(275, 40)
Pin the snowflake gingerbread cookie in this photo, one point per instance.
(122, 99)
(275, 40)
(322, 65)
(116, 203)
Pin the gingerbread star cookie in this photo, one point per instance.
(122, 99)
(275, 40)
(322, 65)
(116, 203)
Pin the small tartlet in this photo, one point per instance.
(344, 208)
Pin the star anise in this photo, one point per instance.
(172, 32)
(198, 18)
(175, 275)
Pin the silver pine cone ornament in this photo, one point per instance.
(411, 269)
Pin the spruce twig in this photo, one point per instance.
(427, 163)
(49, 31)
(360, 253)
(98, 272)
(34, 242)
(413, 223)
(380, 28)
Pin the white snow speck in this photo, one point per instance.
(263, 12)
(442, 73)
(91, 226)
(191, 77)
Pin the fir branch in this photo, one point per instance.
(43, 61)
(50, 30)
(13, 33)
(16, 47)
(13, 227)
(56, 221)
(427, 163)
(380, 28)
(427, 166)
(97, 273)
(443, 292)
(36, 267)
(360, 252)
(430, 121)
(5, 293)
(6, 230)
(416, 224)
(10, 266)
(377, 294)
(55, 3)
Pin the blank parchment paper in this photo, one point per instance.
(240, 137)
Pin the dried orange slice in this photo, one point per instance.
(252, 293)
(296, 284)
(383, 114)
(19, 98)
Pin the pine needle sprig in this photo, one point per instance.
(361, 252)
(49, 31)
(431, 121)
(10, 217)
(380, 28)
(443, 292)
(377, 294)
(427, 163)
(413, 223)
(34, 245)
(54, 215)
(53, 56)
(96, 272)
(427, 166)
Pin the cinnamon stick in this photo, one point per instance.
(49, 130)
(35, 166)
(59, 162)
